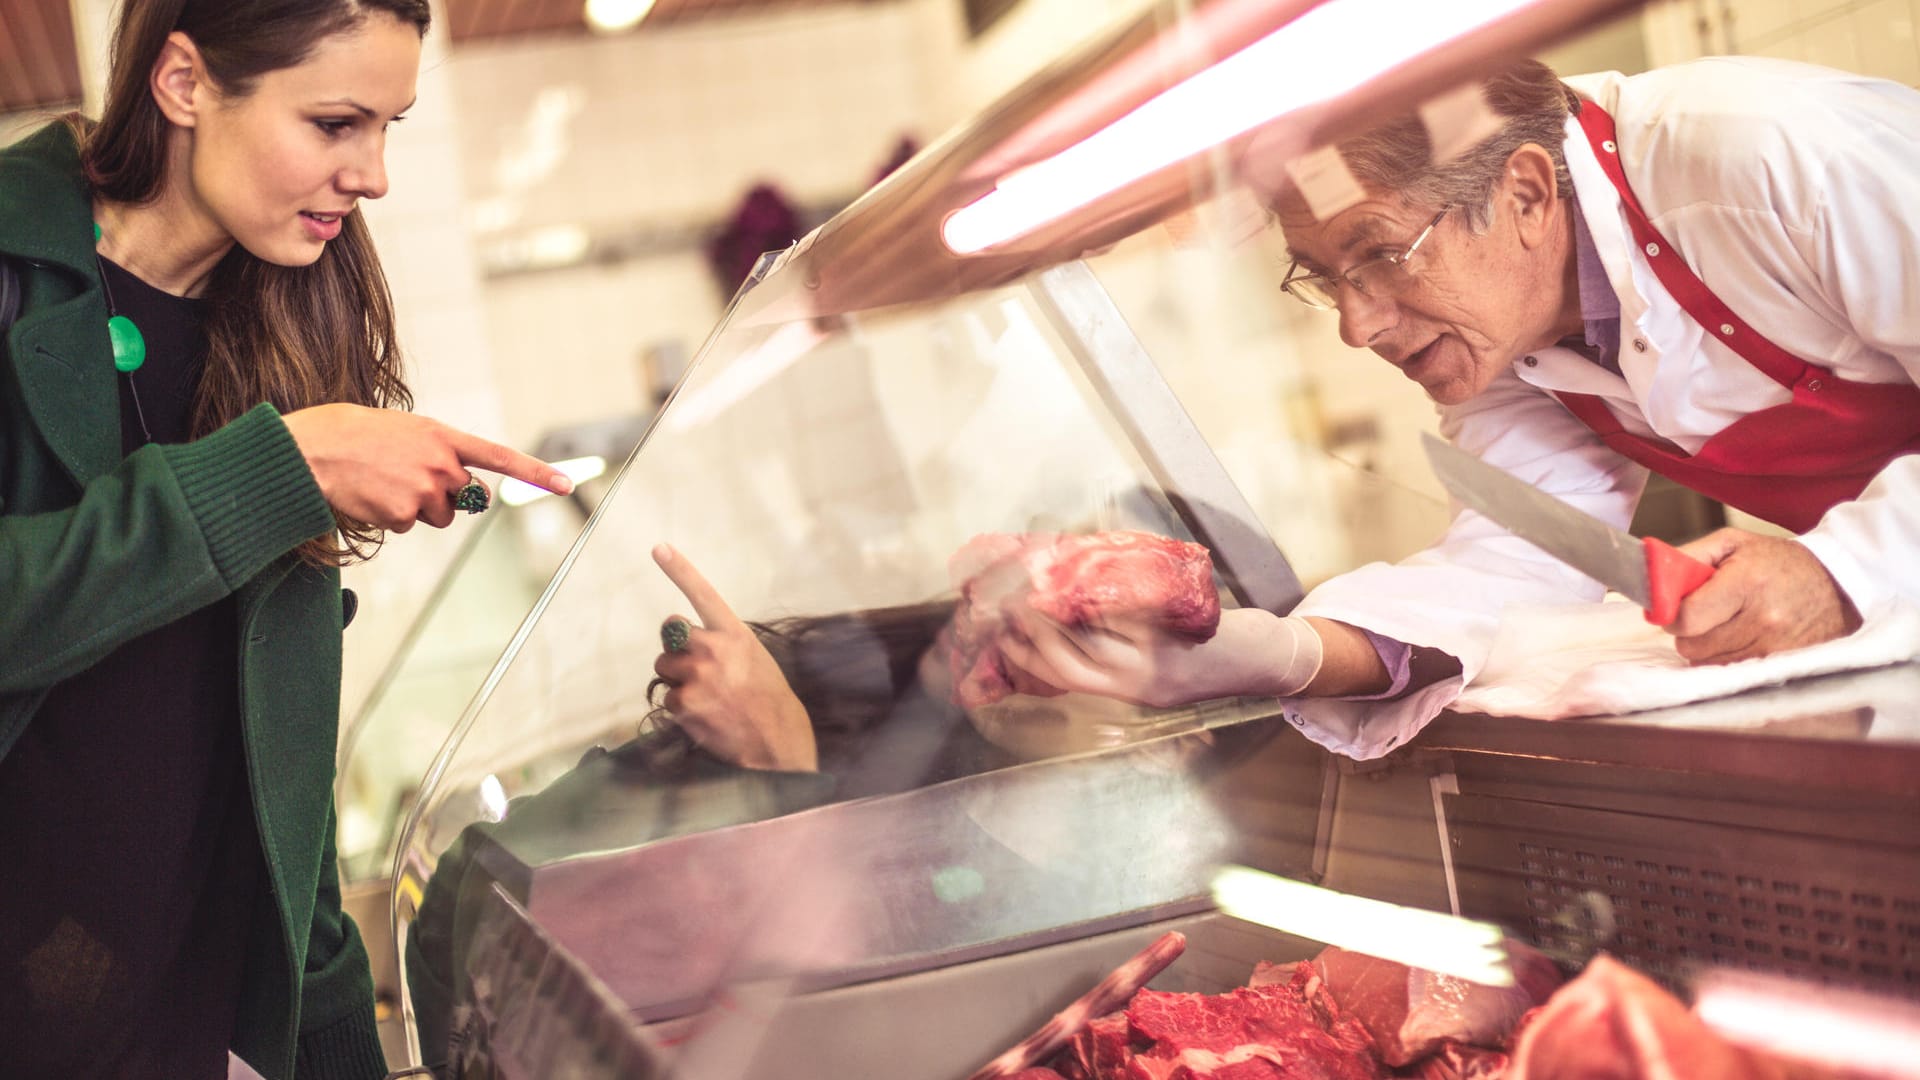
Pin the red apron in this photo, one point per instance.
(1787, 464)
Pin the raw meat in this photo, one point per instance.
(1111, 993)
(1614, 1022)
(1294, 1022)
(1410, 1012)
(1458, 1061)
(1266, 974)
(1293, 1031)
(1075, 580)
(1103, 1047)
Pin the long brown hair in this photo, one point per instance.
(293, 336)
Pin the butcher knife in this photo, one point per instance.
(1649, 572)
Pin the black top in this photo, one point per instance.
(126, 828)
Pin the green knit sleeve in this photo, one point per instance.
(169, 531)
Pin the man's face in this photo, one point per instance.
(1464, 317)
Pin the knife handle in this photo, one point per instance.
(1671, 577)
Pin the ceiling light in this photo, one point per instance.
(613, 16)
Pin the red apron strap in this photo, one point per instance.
(1719, 320)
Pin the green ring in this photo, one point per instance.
(473, 498)
(675, 634)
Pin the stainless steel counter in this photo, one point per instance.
(1849, 732)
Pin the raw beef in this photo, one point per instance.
(1111, 993)
(1293, 1031)
(1337, 1016)
(1267, 974)
(1411, 1012)
(1075, 580)
(1614, 1022)
(1100, 1050)
(1458, 1061)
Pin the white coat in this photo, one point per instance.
(1791, 190)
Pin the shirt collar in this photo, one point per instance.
(1597, 300)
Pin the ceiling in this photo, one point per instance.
(39, 68)
(479, 20)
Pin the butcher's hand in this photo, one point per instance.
(1766, 595)
(389, 468)
(1254, 653)
(724, 689)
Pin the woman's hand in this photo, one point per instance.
(390, 468)
(1254, 653)
(724, 688)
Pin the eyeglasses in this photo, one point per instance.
(1388, 275)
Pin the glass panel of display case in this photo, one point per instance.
(823, 475)
(485, 591)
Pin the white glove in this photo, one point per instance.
(1255, 653)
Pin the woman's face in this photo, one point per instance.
(278, 168)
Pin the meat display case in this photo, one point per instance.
(578, 892)
(926, 931)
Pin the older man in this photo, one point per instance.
(1708, 271)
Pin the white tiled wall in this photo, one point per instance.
(1027, 38)
(1873, 37)
(674, 124)
(667, 128)
(671, 127)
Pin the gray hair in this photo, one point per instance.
(1533, 105)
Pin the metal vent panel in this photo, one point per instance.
(1671, 895)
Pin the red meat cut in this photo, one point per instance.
(1613, 1021)
(1293, 1031)
(1076, 580)
(1458, 1061)
(1412, 1012)
(1110, 993)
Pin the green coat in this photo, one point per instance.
(97, 549)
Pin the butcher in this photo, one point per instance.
(1708, 271)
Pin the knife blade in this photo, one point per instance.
(1648, 571)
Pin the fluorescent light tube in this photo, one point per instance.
(1324, 53)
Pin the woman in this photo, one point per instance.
(193, 438)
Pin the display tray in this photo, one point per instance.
(874, 888)
(940, 1024)
(1852, 731)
